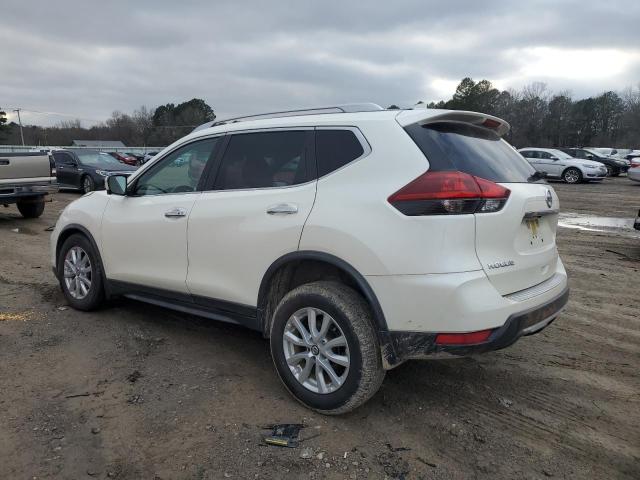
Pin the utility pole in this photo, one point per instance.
(17, 110)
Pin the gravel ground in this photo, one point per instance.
(133, 391)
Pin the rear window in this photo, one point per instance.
(336, 148)
(470, 149)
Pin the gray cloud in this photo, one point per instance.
(86, 59)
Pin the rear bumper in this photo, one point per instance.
(402, 346)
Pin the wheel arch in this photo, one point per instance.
(574, 167)
(74, 228)
(282, 272)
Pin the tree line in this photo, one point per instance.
(538, 117)
(144, 127)
(542, 118)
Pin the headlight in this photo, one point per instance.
(590, 166)
(102, 173)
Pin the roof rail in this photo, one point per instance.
(344, 108)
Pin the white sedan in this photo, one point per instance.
(557, 164)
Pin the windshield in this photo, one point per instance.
(470, 149)
(98, 159)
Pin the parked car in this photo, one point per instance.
(25, 179)
(305, 230)
(557, 164)
(148, 156)
(125, 158)
(86, 170)
(634, 172)
(636, 223)
(614, 166)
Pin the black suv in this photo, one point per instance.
(86, 169)
(614, 166)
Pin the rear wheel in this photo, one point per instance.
(325, 348)
(80, 274)
(572, 175)
(31, 209)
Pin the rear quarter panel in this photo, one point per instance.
(353, 220)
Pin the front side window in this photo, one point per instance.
(178, 172)
(264, 160)
(336, 148)
(62, 158)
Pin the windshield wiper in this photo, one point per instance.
(534, 177)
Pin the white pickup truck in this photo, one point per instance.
(25, 179)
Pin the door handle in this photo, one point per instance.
(282, 209)
(176, 213)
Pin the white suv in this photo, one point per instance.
(353, 237)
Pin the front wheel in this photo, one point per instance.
(572, 175)
(325, 348)
(80, 274)
(88, 185)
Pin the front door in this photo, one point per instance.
(144, 234)
(251, 214)
(66, 170)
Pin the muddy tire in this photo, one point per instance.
(80, 273)
(325, 348)
(31, 209)
(572, 175)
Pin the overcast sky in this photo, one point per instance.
(86, 59)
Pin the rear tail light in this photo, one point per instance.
(470, 338)
(449, 193)
(635, 163)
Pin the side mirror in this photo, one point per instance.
(554, 158)
(116, 185)
(589, 156)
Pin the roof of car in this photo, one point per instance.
(350, 118)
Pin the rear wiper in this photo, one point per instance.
(536, 176)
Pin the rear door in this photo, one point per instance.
(251, 213)
(515, 244)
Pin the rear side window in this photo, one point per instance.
(264, 159)
(336, 148)
(470, 149)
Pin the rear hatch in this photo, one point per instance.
(516, 225)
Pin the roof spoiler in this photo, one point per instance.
(483, 120)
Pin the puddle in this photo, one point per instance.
(623, 226)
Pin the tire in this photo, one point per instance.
(616, 172)
(610, 171)
(31, 209)
(94, 296)
(88, 185)
(351, 318)
(572, 175)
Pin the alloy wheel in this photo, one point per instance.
(572, 176)
(77, 272)
(86, 185)
(316, 350)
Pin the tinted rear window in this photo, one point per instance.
(336, 148)
(470, 149)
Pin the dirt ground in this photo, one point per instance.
(134, 391)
